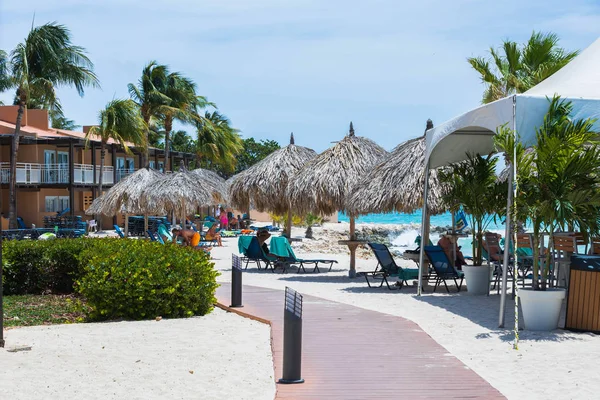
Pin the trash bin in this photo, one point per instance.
(583, 301)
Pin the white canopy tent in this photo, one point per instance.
(578, 81)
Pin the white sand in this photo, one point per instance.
(559, 364)
(218, 356)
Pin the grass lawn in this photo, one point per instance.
(30, 310)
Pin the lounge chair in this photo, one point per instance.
(252, 252)
(119, 231)
(387, 268)
(280, 246)
(443, 268)
(155, 238)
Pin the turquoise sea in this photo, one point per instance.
(406, 238)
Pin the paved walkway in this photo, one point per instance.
(353, 353)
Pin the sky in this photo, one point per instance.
(303, 66)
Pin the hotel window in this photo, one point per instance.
(57, 203)
(152, 165)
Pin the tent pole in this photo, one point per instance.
(454, 239)
(507, 233)
(507, 237)
(424, 229)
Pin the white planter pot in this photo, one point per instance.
(478, 278)
(541, 309)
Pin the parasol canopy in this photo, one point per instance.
(265, 183)
(323, 184)
(124, 196)
(396, 184)
(179, 192)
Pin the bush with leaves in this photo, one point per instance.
(36, 267)
(136, 279)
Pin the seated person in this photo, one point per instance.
(262, 235)
(447, 243)
(212, 234)
(233, 223)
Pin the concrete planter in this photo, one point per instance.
(541, 309)
(478, 278)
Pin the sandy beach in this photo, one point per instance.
(558, 364)
(218, 356)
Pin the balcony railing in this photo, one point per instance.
(123, 173)
(32, 174)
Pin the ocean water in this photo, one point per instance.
(412, 226)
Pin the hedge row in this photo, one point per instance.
(130, 279)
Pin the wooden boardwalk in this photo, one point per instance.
(353, 353)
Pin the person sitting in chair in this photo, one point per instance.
(447, 243)
(212, 234)
(262, 235)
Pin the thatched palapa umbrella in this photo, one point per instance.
(214, 183)
(124, 197)
(396, 184)
(323, 184)
(179, 192)
(265, 184)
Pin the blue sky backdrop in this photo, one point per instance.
(307, 66)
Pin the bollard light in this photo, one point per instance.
(236, 281)
(292, 338)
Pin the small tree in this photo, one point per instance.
(473, 185)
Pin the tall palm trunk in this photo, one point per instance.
(101, 178)
(145, 153)
(168, 128)
(12, 188)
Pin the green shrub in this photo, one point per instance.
(36, 267)
(137, 279)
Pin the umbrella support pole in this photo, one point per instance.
(288, 226)
(352, 271)
(126, 225)
(146, 225)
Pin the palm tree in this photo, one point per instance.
(121, 122)
(558, 184)
(218, 143)
(515, 69)
(45, 60)
(472, 184)
(150, 97)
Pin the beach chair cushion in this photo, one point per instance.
(389, 268)
(443, 268)
(119, 231)
(281, 247)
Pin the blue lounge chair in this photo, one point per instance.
(280, 246)
(443, 268)
(154, 238)
(252, 252)
(119, 231)
(387, 268)
(21, 223)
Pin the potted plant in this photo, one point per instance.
(473, 185)
(557, 186)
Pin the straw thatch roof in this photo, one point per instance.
(214, 183)
(181, 192)
(397, 183)
(124, 196)
(322, 185)
(264, 184)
